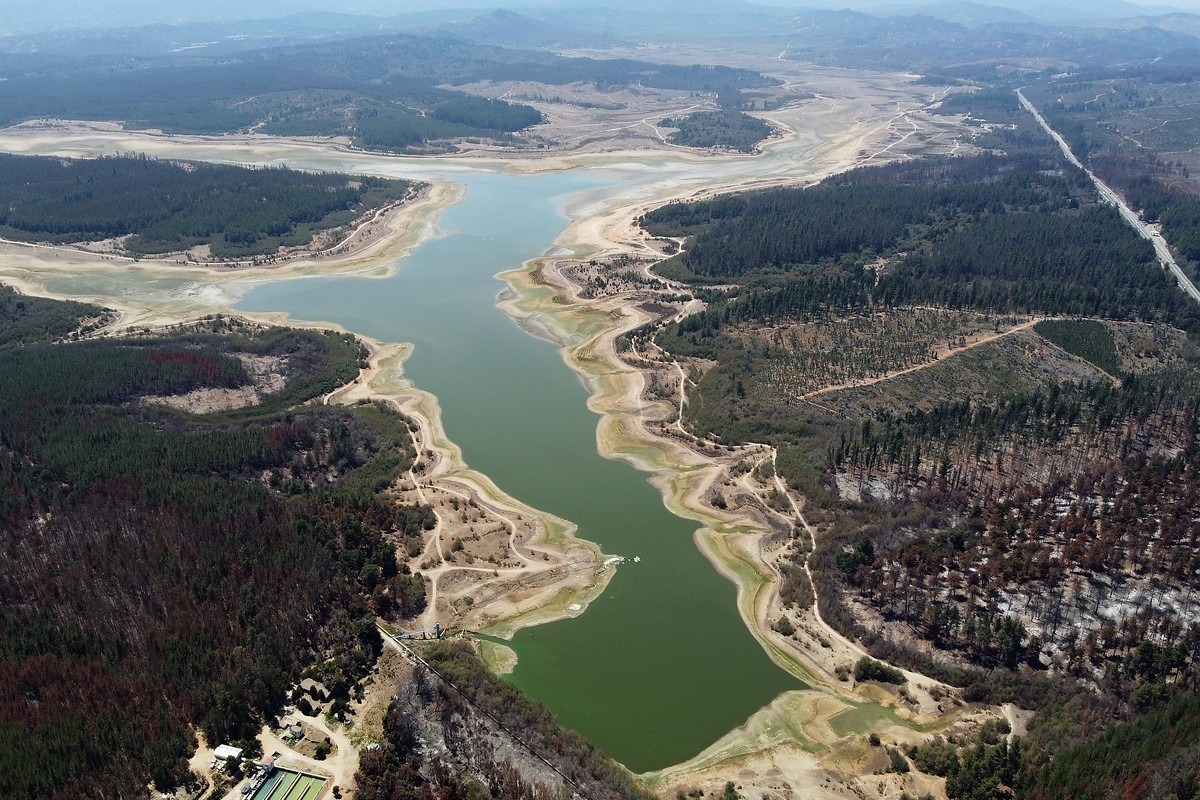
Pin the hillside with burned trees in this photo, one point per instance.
(167, 571)
(988, 392)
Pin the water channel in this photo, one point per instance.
(661, 665)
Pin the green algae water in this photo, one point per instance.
(659, 666)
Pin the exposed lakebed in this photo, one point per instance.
(661, 665)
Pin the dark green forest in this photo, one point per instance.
(1181, 221)
(1156, 755)
(873, 209)
(166, 206)
(34, 319)
(382, 127)
(1086, 338)
(990, 233)
(728, 128)
(165, 570)
(385, 92)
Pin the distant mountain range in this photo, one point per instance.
(969, 37)
(25, 17)
(967, 12)
(510, 29)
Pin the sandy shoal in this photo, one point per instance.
(788, 747)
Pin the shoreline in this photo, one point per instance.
(384, 380)
(548, 303)
(586, 332)
(362, 235)
(76, 136)
(199, 287)
(793, 727)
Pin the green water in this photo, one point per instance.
(863, 718)
(661, 665)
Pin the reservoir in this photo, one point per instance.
(659, 666)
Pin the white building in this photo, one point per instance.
(226, 752)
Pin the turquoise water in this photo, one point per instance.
(661, 665)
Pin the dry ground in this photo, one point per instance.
(516, 566)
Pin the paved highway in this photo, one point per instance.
(1160, 244)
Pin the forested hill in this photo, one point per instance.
(385, 92)
(726, 129)
(166, 206)
(26, 320)
(164, 570)
(999, 502)
(995, 233)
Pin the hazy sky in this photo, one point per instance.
(29, 15)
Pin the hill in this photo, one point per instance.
(509, 29)
(167, 570)
(993, 478)
(384, 92)
(155, 207)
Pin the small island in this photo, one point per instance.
(725, 129)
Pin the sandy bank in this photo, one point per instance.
(789, 748)
(548, 570)
(84, 139)
(545, 570)
(188, 289)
